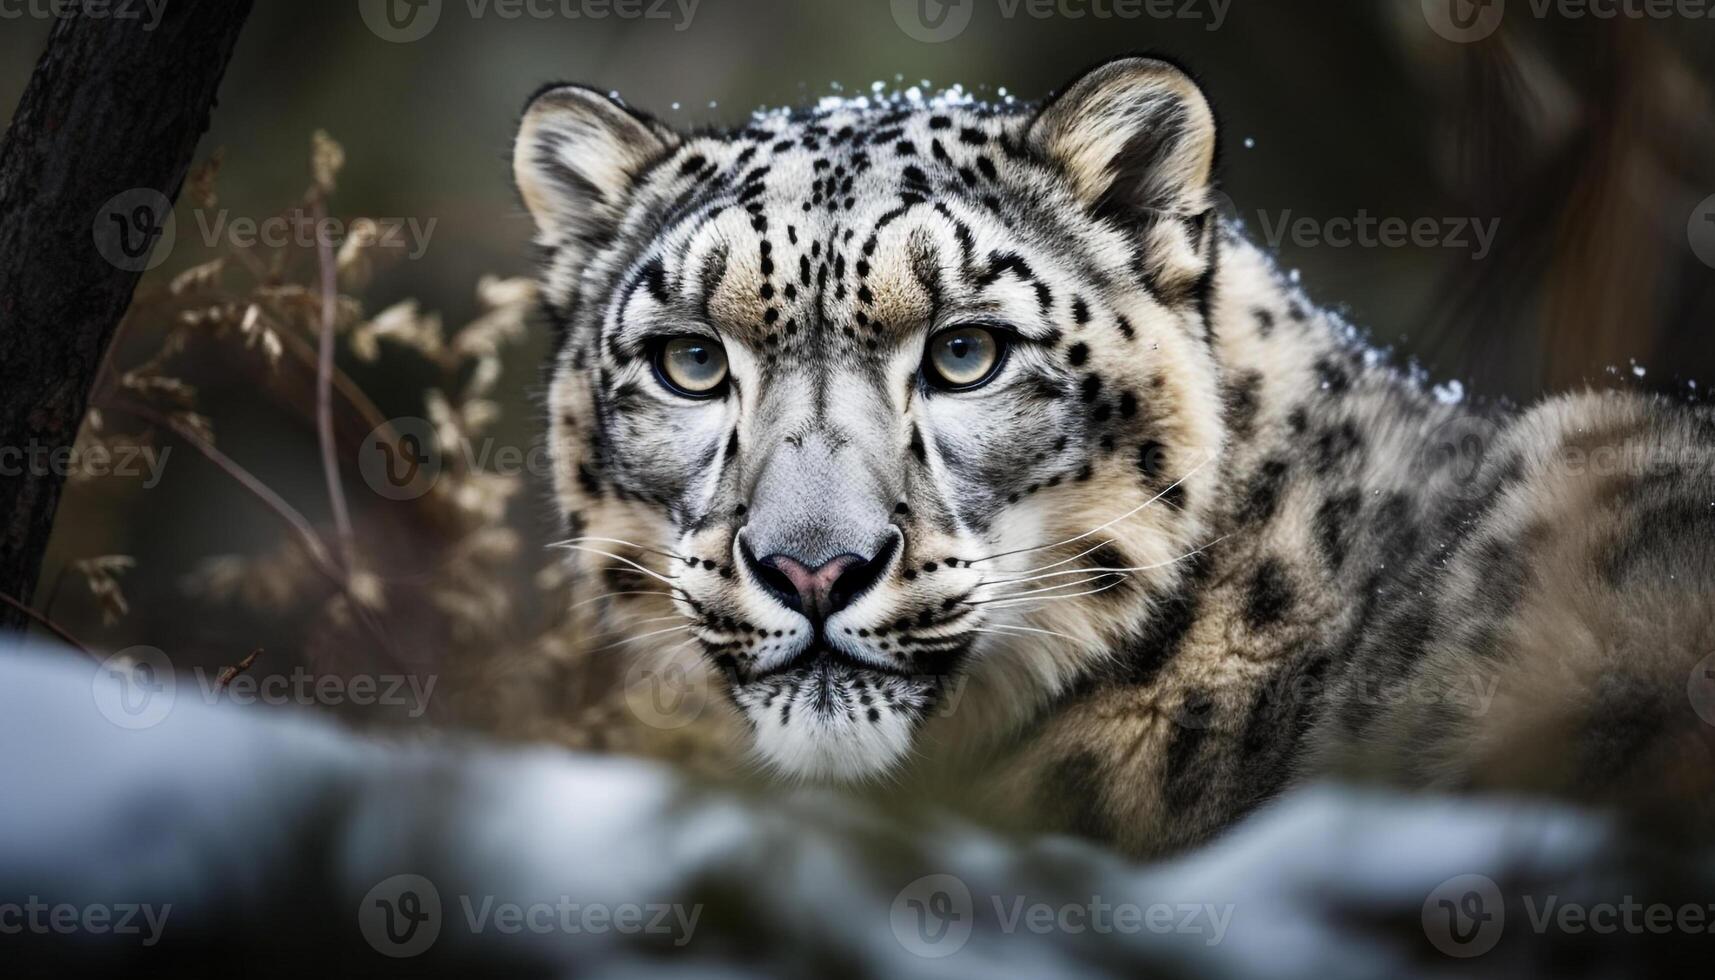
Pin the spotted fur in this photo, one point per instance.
(1183, 551)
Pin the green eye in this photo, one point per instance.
(692, 366)
(963, 357)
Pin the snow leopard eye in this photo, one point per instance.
(963, 358)
(694, 367)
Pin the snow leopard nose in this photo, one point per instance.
(820, 591)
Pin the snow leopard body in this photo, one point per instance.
(1192, 541)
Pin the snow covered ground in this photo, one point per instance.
(212, 839)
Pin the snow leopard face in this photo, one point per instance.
(868, 397)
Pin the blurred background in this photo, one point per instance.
(1585, 145)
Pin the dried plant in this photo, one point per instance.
(452, 582)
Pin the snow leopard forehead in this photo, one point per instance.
(840, 230)
(791, 211)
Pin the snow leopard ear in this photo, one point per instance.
(576, 157)
(1135, 136)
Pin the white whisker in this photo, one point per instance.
(1044, 600)
(641, 636)
(1063, 561)
(1134, 568)
(1021, 575)
(1096, 530)
(610, 595)
(628, 544)
(1005, 629)
(660, 619)
(609, 554)
(1049, 588)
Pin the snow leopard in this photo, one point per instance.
(966, 444)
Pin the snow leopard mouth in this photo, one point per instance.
(823, 687)
(820, 658)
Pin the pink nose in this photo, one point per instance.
(815, 586)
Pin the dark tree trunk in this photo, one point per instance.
(96, 153)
